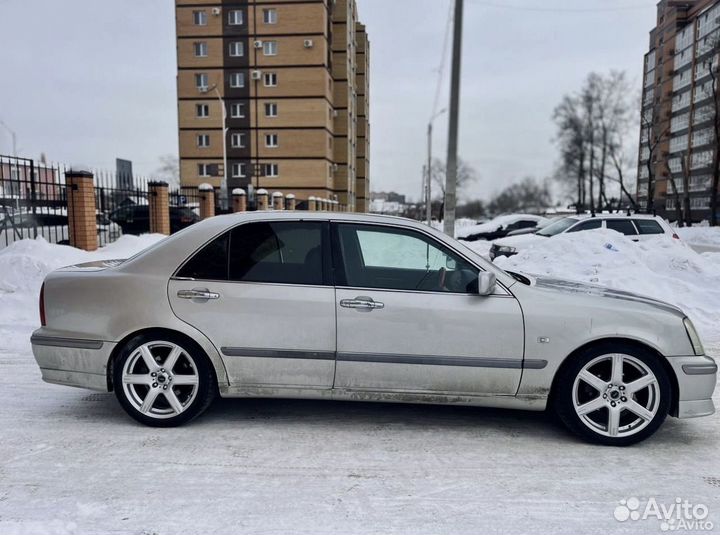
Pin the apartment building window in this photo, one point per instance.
(675, 165)
(271, 140)
(270, 16)
(203, 140)
(699, 202)
(680, 122)
(702, 114)
(238, 170)
(203, 169)
(202, 110)
(199, 18)
(677, 144)
(235, 17)
(237, 140)
(700, 182)
(682, 80)
(200, 49)
(237, 110)
(703, 91)
(271, 109)
(237, 49)
(702, 137)
(271, 170)
(701, 159)
(681, 101)
(237, 79)
(270, 48)
(270, 79)
(201, 81)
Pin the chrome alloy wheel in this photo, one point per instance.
(160, 379)
(616, 395)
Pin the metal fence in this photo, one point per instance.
(33, 203)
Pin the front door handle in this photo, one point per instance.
(197, 293)
(362, 303)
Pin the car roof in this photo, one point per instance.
(614, 216)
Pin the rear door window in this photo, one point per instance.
(590, 224)
(287, 252)
(624, 226)
(648, 226)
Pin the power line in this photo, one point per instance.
(443, 59)
(561, 9)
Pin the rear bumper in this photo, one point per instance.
(696, 378)
(76, 362)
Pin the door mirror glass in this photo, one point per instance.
(450, 263)
(486, 283)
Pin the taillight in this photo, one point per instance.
(42, 305)
(676, 236)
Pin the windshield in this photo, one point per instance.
(557, 227)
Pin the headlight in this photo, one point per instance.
(694, 338)
(505, 249)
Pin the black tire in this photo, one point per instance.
(563, 395)
(192, 358)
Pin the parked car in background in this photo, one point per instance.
(637, 227)
(499, 227)
(135, 218)
(533, 230)
(346, 306)
(51, 224)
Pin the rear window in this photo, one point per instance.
(624, 226)
(648, 226)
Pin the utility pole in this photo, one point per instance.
(451, 172)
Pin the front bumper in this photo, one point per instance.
(72, 361)
(696, 378)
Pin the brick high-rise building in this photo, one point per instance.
(677, 137)
(293, 78)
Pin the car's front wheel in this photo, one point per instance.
(163, 381)
(613, 395)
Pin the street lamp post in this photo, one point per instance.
(428, 178)
(224, 181)
(13, 135)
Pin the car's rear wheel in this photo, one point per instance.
(163, 381)
(613, 395)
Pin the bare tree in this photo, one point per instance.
(466, 175)
(592, 126)
(528, 195)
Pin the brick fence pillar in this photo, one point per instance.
(207, 200)
(278, 201)
(159, 204)
(290, 201)
(262, 199)
(239, 200)
(312, 204)
(81, 210)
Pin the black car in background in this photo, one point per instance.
(135, 218)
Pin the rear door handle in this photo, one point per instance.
(197, 293)
(362, 303)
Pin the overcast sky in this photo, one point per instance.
(85, 83)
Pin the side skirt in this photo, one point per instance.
(527, 402)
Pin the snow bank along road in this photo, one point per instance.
(71, 461)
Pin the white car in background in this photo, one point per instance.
(52, 225)
(637, 227)
(499, 227)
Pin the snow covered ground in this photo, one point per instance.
(71, 461)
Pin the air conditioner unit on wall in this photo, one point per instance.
(216, 11)
(256, 75)
(258, 44)
(308, 43)
(203, 89)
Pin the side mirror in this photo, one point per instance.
(486, 282)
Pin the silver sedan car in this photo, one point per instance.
(369, 308)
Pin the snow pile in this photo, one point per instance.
(702, 235)
(24, 265)
(663, 268)
(494, 224)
